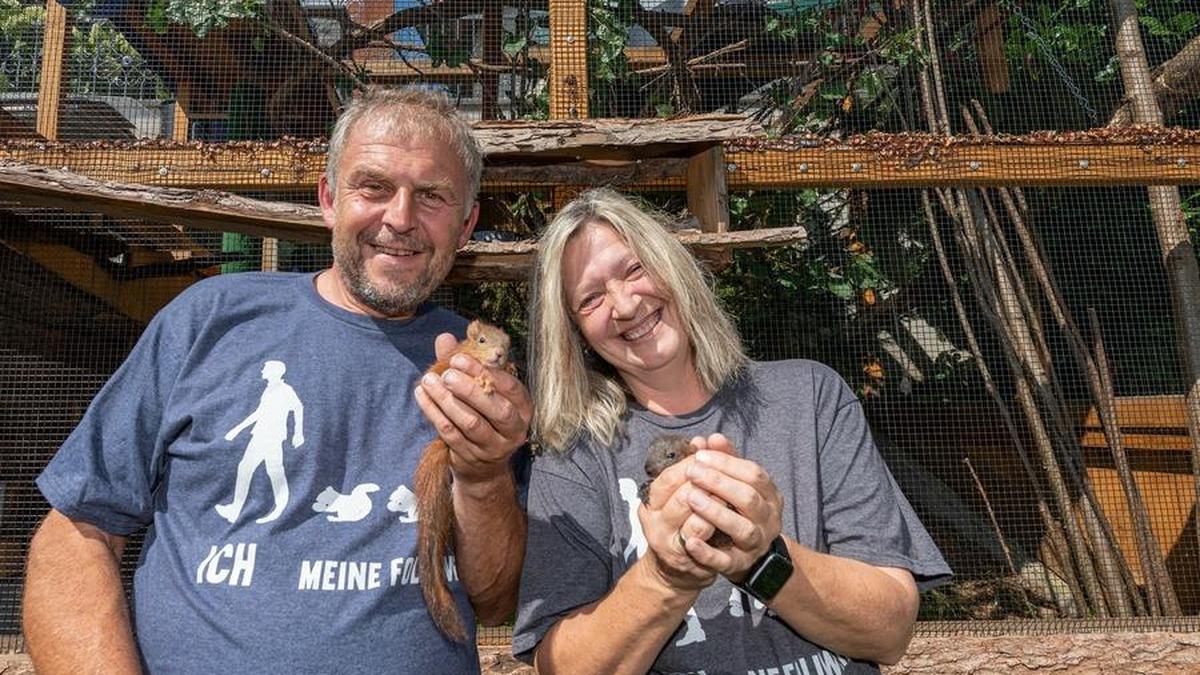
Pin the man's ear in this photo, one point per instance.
(325, 197)
(469, 225)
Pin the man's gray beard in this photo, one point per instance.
(404, 301)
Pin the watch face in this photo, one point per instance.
(771, 577)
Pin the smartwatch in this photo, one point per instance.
(769, 573)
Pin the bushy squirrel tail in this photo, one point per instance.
(435, 530)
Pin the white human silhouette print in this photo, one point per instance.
(637, 548)
(270, 430)
(403, 501)
(345, 508)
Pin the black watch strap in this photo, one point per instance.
(769, 573)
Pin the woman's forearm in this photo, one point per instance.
(855, 609)
(621, 633)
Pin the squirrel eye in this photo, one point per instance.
(481, 339)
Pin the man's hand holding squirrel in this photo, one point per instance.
(481, 428)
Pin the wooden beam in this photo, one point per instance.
(561, 195)
(138, 299)
(568, 59)
(50, 86)
(511, 261)
(490, 261)
(282, 167)
(1145, 412)
(206, 209)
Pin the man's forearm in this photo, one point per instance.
(850, 607)
(489, 545)
(75, 616)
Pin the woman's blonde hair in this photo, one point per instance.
(574, 392)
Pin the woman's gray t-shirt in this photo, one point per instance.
(801, 423)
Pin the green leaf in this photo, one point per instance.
(513, 47)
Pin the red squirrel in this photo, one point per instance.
(435, 504)
(662, 453)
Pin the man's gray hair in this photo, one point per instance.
(410, 111)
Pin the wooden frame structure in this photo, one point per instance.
(563, 154)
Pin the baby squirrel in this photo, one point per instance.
(662, 453)
(435, 505)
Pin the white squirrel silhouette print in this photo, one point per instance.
(403, 501)
(345, 508)
(270, 430)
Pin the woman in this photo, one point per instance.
(628, 344)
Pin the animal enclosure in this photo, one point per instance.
(980, 212)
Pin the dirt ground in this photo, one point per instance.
(1085, 653)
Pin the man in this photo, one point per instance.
(221, 589)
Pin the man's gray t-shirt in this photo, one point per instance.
(267, 439)
(803, 425)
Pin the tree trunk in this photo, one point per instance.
(1183, 275)
(1175, 82)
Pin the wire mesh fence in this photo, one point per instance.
(997, 200)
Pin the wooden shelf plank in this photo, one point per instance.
(1146, 412)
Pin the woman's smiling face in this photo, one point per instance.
(623, 315)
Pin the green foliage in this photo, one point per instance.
(445, 43)
(19, 28)
(529, 97)
(608, 33)
(202, 16)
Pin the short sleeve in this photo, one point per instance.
(866, 517)
(107, 470)
(567, 560)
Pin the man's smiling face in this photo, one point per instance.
(398, 213)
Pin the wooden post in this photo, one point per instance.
(270, 254)
(708, 198)
(989, 43)
(181, 127)
(568, 60)
(568, 73)
(54, 53)
(707, 194)
(493, 29)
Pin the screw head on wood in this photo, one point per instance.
(974, 165)
(803, 167)
(265, 172)
(856, 167)
(1182, 162)
(163, 171)
(1083, 163)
